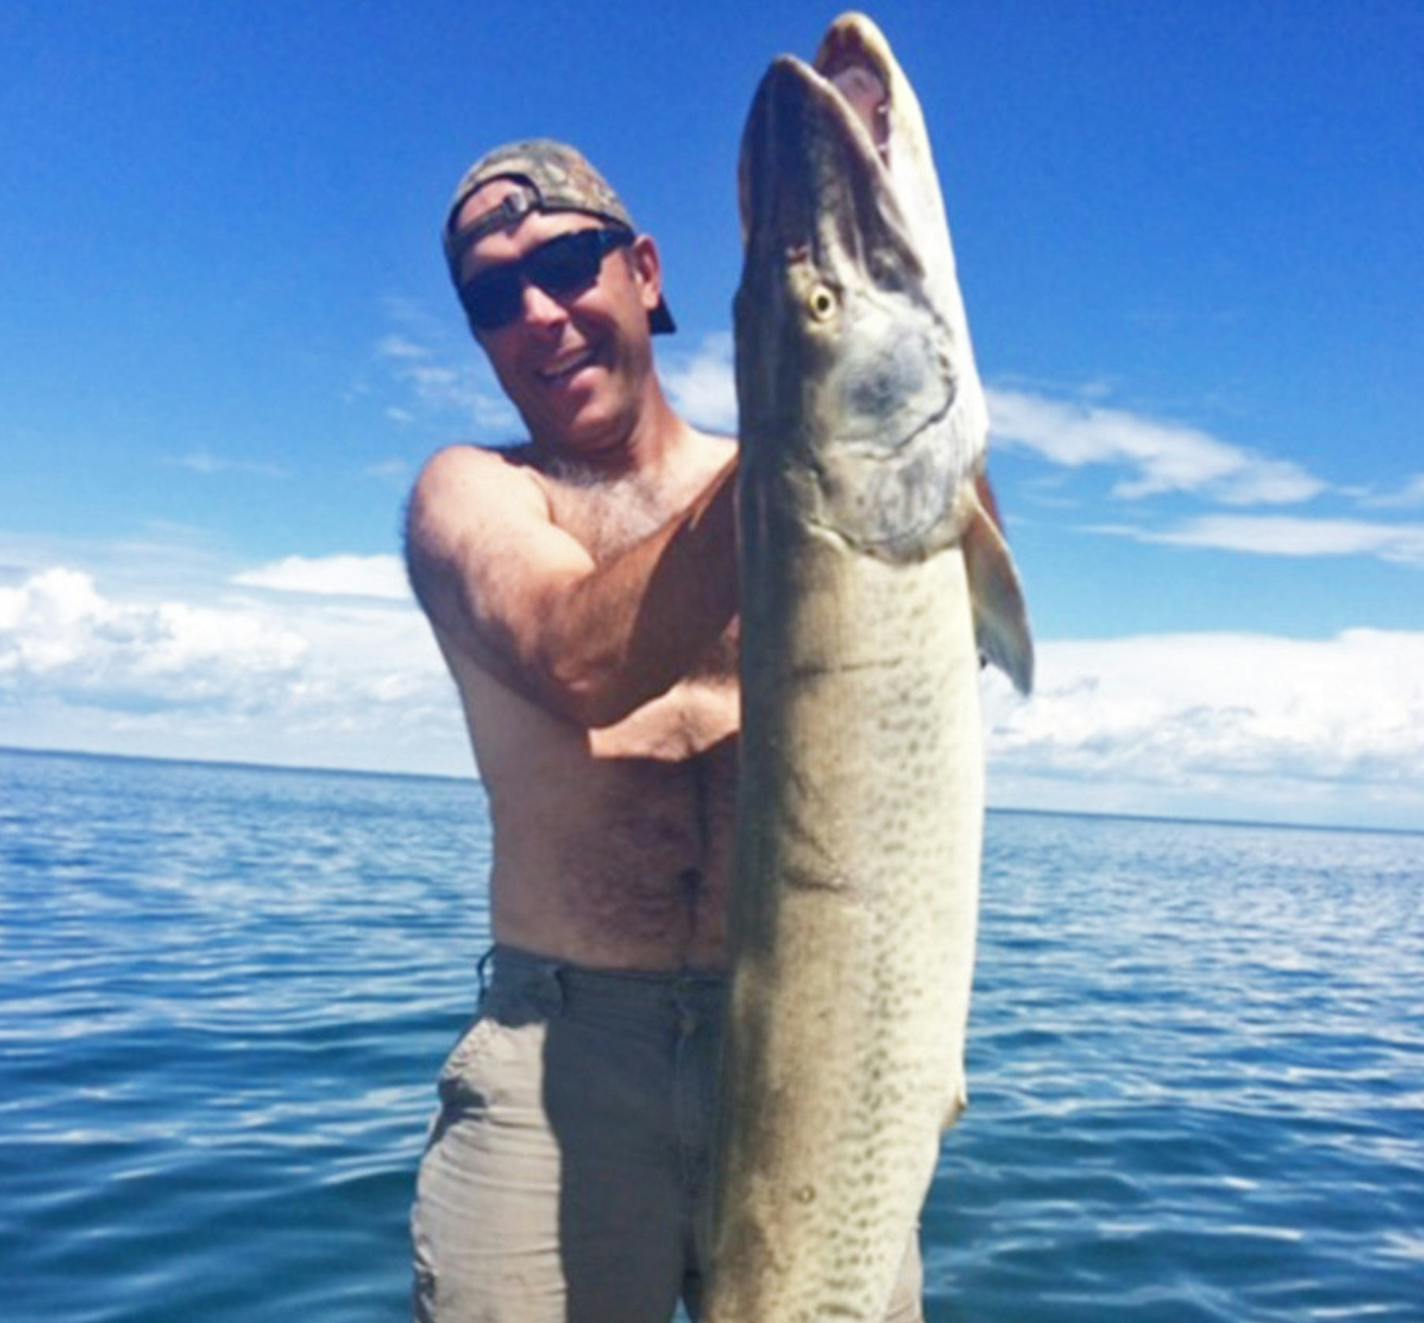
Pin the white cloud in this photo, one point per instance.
(339, 576)
(1224, 724)
(394, 471)
(1280, 535)
(59, 635)
(208, 464)
(702, 385)
(1411, 494)
(401, 347)
(1328, 730)
(440, 377)
(1162, 457)
(290, 680)
(464, 390)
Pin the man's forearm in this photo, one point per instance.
(636, 625)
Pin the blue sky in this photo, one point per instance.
(1188, 240)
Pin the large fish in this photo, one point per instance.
(868, 562)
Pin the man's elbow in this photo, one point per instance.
(591, 695)
(595, 712)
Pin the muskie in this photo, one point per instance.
(868, 563)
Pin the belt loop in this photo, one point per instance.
(482, 973)
(549, 992)
(685, 1003)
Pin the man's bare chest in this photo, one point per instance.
(607, 516)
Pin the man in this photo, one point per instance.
(582, 588)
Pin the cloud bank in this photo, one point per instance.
(1216, 725)
(702, 385)
(340, 576)
(293, 678)
(60, 638)
(439, 380)
(1162, 457)
(1229, 725)
(1280, 535)
(1410, 494)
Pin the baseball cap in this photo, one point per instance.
(554, 177)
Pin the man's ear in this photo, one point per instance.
(647, 270)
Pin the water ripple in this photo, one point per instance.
(1196, 1058)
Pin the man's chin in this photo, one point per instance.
(587, 430)
(566, 398)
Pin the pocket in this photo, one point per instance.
(465, 1054)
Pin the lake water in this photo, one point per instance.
(1196, 1055)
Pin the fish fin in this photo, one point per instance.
(1000, 617)
(957, 1105)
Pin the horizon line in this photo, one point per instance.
(303, 769)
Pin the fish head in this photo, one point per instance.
(855, 378)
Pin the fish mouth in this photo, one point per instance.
(853, 57)
(814, 174)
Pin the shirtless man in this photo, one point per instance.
(582, 588)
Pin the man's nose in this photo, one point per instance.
(541, 308)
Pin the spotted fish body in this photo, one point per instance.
(872, 580)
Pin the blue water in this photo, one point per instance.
(1197, 1055)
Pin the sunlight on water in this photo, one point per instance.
(1196, 1060)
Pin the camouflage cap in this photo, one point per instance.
(555, 177)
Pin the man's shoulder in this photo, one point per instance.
(716, 448)
(475, 474)
(462, 486)
(463, 460)
(723, 442)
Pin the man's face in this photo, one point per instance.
(575, 366)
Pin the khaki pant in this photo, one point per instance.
(566, 1176)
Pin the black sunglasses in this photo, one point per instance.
(563, 266)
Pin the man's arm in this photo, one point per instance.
(526, 601)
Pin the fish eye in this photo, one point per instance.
(821, 302)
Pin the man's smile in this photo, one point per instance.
(562, 369)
